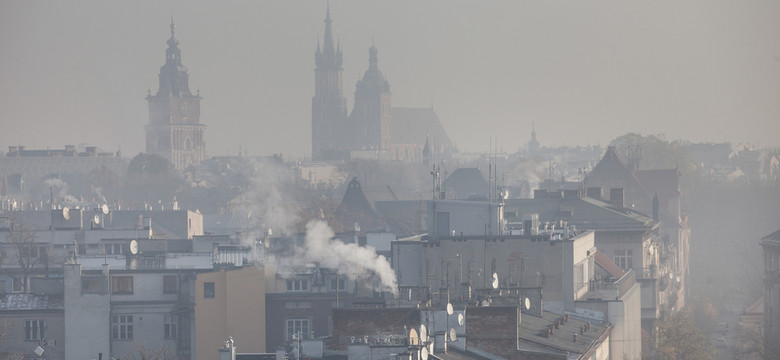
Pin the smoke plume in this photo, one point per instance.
(352, 260)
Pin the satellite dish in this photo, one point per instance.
(414, 339)
(269, 232)
(453, 335)
(96, 219)
(460, 320)
(527, 303)
(423, 334)
(424, 353)
(357, 226)
(104, 208)
(485, 303)
(495, 281)
(133, 247)
(66, 213)
(449, 309)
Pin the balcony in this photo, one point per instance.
(610, 289)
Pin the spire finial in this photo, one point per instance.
(173, 25)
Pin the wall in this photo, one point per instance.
(87, 326)
(237, 309)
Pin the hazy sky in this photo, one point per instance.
(584, 71)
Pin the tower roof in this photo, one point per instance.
(173, 75)
(373, 80)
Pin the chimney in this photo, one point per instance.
(655, 207)
(540, 194)
(595, 193)
(575, 337)
(228, 352)
(616, 197)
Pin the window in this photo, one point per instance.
(18, 284)
(122, 327)
(208, 290)
(170, 326)
(113, 249)
(93, 284)
(29, 251)
(338, 284)
(122, 285)
(34, 329)
(297, 285)
(170, 284)
(297, 326)
(623, 258)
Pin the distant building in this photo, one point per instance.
(25, 171)
(373, 130)
(174, 130)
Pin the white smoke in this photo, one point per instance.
(352, 260)
(60, 189)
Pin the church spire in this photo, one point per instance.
(330, 55)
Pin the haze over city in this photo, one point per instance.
(583, 72)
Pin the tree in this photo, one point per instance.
(150, 179)
(8, 350)
(143, 352)
(679, 339)
(27, 252)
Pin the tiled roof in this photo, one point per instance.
(534, 329)
(608, 265)
(410, 126)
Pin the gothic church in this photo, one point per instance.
(373, 130)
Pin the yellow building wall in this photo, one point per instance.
(237, 310)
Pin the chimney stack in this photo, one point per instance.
(616, 197)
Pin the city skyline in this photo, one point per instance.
(584, 73)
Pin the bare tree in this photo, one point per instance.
(7, 348)
(143, 352)
(28, 252)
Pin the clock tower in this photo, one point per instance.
(174, 130)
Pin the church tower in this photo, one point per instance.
(174, 130)
(329, 106)
(370, 118)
